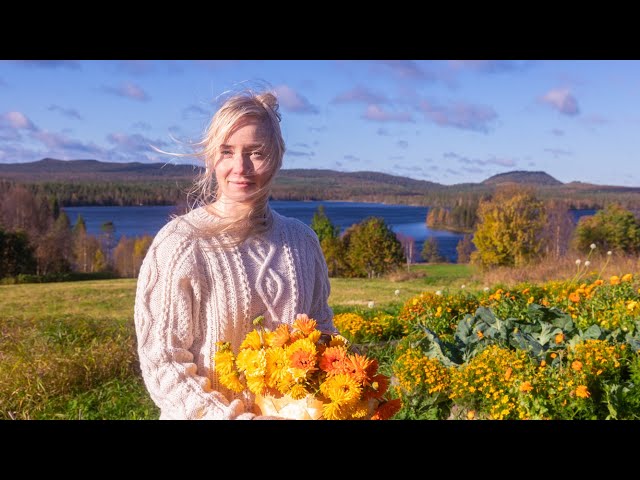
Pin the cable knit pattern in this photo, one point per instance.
(191, 294)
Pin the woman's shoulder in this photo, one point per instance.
(293, 224)
(180, 228)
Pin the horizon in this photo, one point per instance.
(444, 121)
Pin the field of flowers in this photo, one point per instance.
(559, 350)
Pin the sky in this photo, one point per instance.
(445, 121)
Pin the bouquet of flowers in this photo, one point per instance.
(298, 372)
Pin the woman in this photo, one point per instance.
(210, 272)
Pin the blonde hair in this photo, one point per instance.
(246, 106)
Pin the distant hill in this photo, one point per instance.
(522, 177)
(112, 183)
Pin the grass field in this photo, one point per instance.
(67, 350)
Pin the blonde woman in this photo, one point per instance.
(228, 260)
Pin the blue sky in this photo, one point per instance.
(446, 121)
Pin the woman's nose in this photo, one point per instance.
(242, 163)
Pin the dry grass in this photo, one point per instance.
(559, 270)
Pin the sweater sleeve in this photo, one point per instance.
(167, 299)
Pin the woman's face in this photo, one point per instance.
(241, 166)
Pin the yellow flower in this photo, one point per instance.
(559, 337)
(614, 280)
(627, 277)
(471, 414)
(576, 365)
(292, 363)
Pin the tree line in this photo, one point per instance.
(38, 240)
(513, 227)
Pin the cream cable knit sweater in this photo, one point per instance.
(190, 296)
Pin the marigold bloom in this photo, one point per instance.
(305, 324)
(614, 280)
(574, 297)
(559, 337)
(576, 365)
(582, 391)
(627, 277)
(480, 334)
(253, 340)
(471, 414)
(333, 360)
(526, 387)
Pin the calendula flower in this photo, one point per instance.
(293, 364)
(627, 277)
(576, 365)
(614, 280)
(559, 337)
(526, 387)
(582, 391)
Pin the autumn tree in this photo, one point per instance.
(510, 228)
(558, 229)
(54, 249)
(408, 247)
(465, 248)
(372, 248)
(613, 228)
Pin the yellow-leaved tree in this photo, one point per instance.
(510, 228)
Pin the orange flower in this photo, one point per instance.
(387, 410)
(303, 360)
(574, 297)
(507, 374)
(582, 392)
(614, 280)
(305, 324)
(576, 365)
(480, 334)
(280, 336)
(333, 360)
(559, 337)
(526, 387)
(358, 366)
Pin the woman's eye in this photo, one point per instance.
(226, 153)
(256, 154)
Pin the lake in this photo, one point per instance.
(406, 220)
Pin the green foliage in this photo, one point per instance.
(323, 227)
(509, 230)
(613, 228)
(16, 254)
(430, 251)
(372, 248)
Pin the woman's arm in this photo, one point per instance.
(165, 311)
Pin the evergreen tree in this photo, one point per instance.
(430, 252)
(323, 227)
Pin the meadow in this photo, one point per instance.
(67, 349)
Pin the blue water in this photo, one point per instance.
(406, 220)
